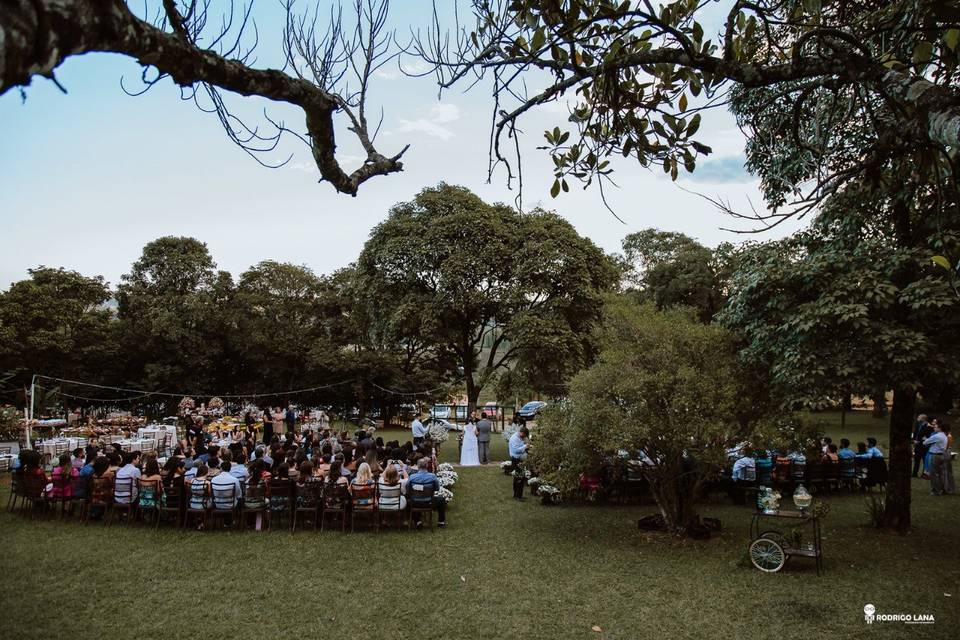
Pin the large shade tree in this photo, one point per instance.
(672, 269)
(56, 323)
(174, 318)
(487, 283)
(855, 304)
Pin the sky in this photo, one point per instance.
(87, 178)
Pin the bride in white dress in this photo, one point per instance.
(469, 451)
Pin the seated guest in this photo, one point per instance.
(363, 480)
(85, 472)
(62, 478)
(745, 468)
(150, 482)
(237, 470)
(872, 449)
(222, 484)
(128, 472)
(116, 461)
(91, 450)
(199, 487)
(189, 458)
(335, 475)
(101, 486)
(862, 454)
(845, 451)
(78, 459)
(305, 472)
(425, 478)
(390, 491)
(825, 444)
(373, 462)
(831, 454)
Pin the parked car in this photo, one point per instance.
(531, 410)
(492, 409)
(449, 426)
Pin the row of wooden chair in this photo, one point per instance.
(200, 503)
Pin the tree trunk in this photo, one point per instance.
(473, 395)
(897, 510)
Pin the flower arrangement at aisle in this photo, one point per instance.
(445, 493)
(443, 473)
(186, 405)
(215, 403)
(521, 471)
(444, 466)
(438, 433)
(507, 467)
(549, 494)
(446, 481)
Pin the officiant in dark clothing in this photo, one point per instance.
(921, 432)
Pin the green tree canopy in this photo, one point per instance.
(663, 384)
(491, 285)
(173, 308)
(56, 323)
(672, 269)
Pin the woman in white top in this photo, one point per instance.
(390, 491)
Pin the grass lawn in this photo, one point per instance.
(500, 569)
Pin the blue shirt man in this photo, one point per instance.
(428, 480)
(845, 451)
(873, 451)
(518, 447)
(744, 468)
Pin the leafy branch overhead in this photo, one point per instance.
(207, 55)
(636, 78)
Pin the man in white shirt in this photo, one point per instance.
(745, 468)
(129, 471)
(937, 447)
(418, 431)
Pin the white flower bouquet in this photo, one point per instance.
(446, 481)
(444, 466)
(438, 433)
(445, 493)
(534, 481)
(549, 494)
(506, 466)
(448, 474)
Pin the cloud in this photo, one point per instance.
(442, 113)
(726, 169)
(426, 127)
(438, 115)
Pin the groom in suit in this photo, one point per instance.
(483, 438)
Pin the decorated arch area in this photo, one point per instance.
(666, 347)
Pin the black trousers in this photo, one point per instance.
(267, 433)
(518, 481)
(417, 441)
(919, 453)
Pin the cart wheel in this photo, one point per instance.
(776, 536)
(767, 555)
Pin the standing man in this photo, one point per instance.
(290, 418)
(484, 427)
(417, 430)
(518, 453)
(937, 447)
(921, 432)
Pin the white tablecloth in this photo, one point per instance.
(49, 447)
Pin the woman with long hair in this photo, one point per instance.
(390, 491)
(373, 462)
(363, 481)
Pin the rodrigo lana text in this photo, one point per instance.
(870, 615)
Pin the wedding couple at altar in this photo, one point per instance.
(475, 448)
